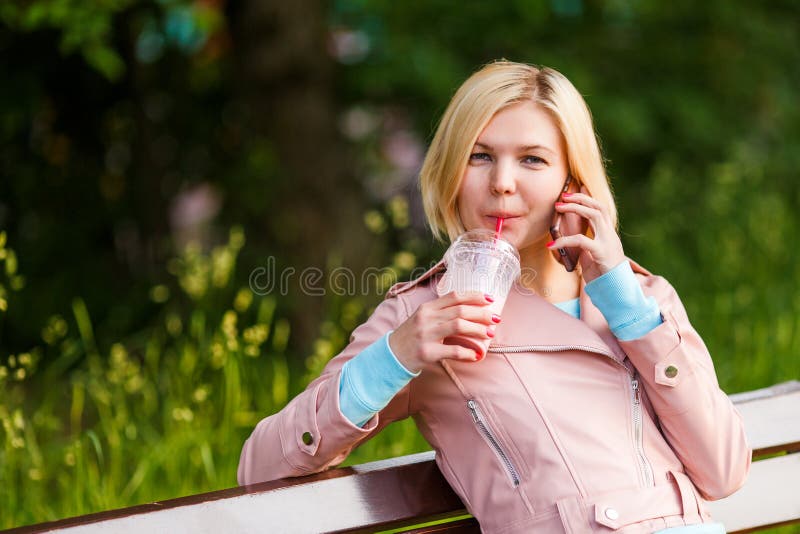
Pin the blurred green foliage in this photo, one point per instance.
(135, 359)
(10, 280)
(84, 27)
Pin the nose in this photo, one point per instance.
(502, 180)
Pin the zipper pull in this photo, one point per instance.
(636, 396)
(471, 405)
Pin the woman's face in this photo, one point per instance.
(516, 170)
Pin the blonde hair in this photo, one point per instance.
(494, 87)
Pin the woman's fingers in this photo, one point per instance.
(593, 215)
(456, 351)
(478, 314)
(462, 327)
(471, 307)
(582, 198)
(455, 299)
(570, 241)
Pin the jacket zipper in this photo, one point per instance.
(644, 465)
(489, 437)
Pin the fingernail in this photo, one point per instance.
(490, 332)
(478, 356)
(495, 318)
(560, 203)
(488, 298)
(550, 244)
(566, 195)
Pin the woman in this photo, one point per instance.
(596, 407)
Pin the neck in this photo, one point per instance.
(545, 276)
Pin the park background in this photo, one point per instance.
(156, 154)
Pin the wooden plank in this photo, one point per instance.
(781, 388)
(771, 418)
(378, 495)
(771, 496)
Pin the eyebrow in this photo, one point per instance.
(523, 148)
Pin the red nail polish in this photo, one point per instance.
(488, 298)
(567, 195)
(550, 244)
(489, 332)
(478, 356)
(495, 318)
(560, 203)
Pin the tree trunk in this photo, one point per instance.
(287, 81)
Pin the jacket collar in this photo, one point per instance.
(401, 287)
(530, 320)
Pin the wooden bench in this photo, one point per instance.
(403, 492)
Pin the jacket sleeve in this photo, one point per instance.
(697, 418)
(310, 434)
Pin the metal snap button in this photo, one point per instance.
(671, 371)
(611, 513)
(308, 439)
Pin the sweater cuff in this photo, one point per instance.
(370, 380)
(619, 297)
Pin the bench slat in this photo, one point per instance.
(379, 495)
(771, 496)
(772, 422)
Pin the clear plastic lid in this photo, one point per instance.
(487, 242)
(479, 261)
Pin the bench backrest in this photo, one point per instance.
(410, 490)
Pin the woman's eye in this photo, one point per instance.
(533, 160)
(480, 156)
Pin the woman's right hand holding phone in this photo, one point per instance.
(419, 341)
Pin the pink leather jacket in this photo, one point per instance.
(561, 428)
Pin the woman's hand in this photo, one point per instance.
(419, 340)
(599, 254)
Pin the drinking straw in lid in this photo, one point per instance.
(498, 228)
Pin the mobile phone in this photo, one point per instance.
(567, 224)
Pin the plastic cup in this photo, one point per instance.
(480, 261)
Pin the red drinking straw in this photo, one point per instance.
(498, 228)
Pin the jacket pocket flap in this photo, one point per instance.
(306, 430)
(618, 509)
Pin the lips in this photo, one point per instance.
(506, 216)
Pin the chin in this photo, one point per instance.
(511, 238)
